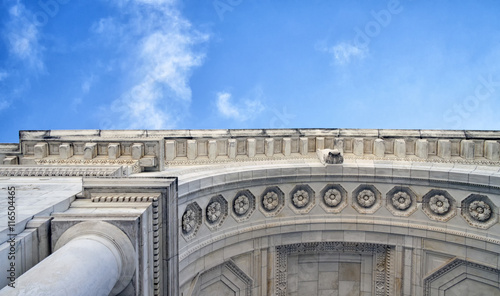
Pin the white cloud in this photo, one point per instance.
(344, 52)
(23, 37)
(159, 44)
(87, 84)
(242, 111)
(225, 107)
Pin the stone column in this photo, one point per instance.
(92, 258)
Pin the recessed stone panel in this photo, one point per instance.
(439, 205)
(243, 205)
(401, 201)
(333, 198)
(366, 199)
(479, 211)
(302, 199)
(272, 201)
(216, 212)
(191, 220)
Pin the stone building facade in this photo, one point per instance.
(251, 212)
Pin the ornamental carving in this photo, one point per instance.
(243, 205)
(191, 220)
(272, 201)
(334, 198)
(213, 211)
(216, 212)
(479, 211)
(439, 205)
(366, 199)
(401, 201)
(381, 269)
(302, 199)
(188, 221)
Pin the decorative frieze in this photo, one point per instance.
(75, 171)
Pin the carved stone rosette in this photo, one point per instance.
(243, 205)
(401, 201)
(439, 205)
(302, 199)
(479, 211)
(333, 198)
(272, 201)
(191, 220)
(366, 199)
(216, 212)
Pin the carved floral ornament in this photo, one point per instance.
(366, 198)
(188, 221)
(214, 211)
(332, 197)
(479, 210)
(241, 205)
(270, 201)
(401, 200)
(300, 198)
(439, 204)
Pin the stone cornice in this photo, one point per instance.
(154, 150)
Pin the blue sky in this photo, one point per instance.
(168, 64)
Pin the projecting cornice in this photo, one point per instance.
(153, 150)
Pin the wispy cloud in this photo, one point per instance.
(242, 111)
(23, 37)
(344, 52)
(160, 44)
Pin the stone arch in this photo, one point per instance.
(411, 238)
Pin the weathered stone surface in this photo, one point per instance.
(440, 191)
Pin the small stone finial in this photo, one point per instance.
(334, 157)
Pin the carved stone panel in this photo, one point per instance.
(479, 211)
(460, 277)
(350, 255)
(191, 220)
(302, 199)
(401, 201)
(216, 212)
(439, 205)
(366, 199)
(243, 205)
(225, 279)
(333, 198)
(272, 201)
